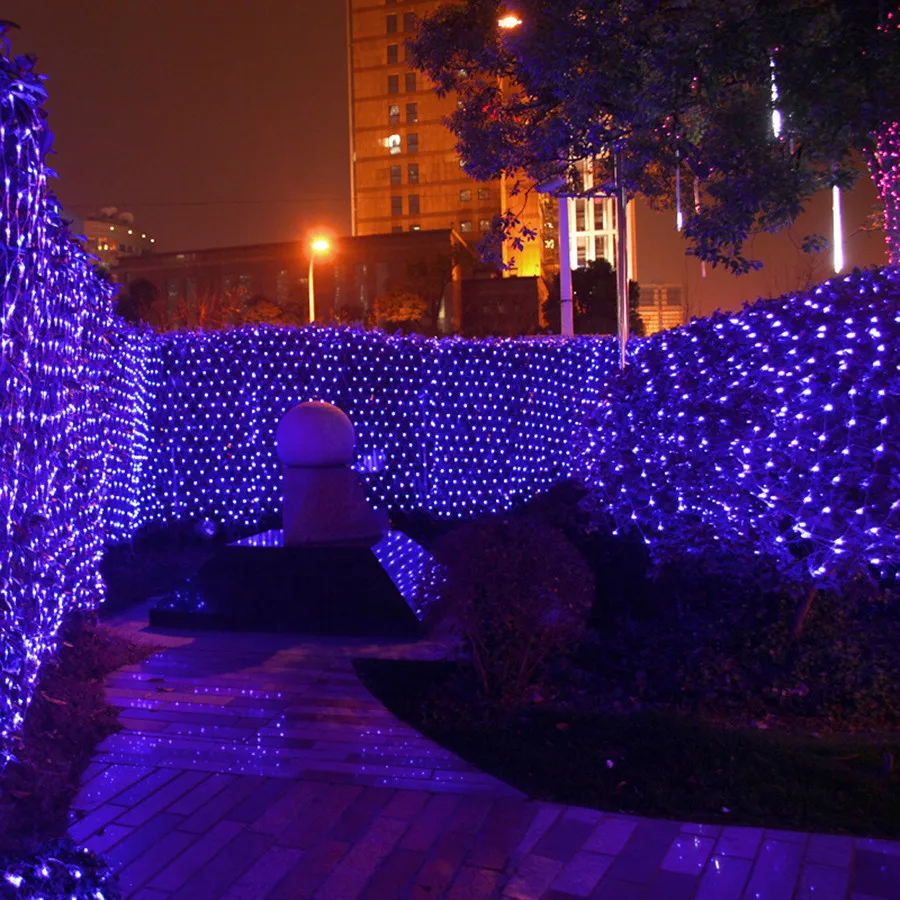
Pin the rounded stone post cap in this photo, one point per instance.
(315, 435)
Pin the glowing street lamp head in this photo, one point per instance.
(320, 245)
(510, 20)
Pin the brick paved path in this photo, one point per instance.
(257, 766)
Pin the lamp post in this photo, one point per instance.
(317, 245)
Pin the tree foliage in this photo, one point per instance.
(673, 84)
(595, 290)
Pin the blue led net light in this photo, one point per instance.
(774, 431)
(55, 319)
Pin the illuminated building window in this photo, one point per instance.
(412, 173)
(484, 193)
(412, 112)
(394, 114)
(392, 24)
(410, 82)
(465, 226)
(409, 21)
(393, 84)
(392, 142)
(412, 143)
(484, 224)
(415, 227)
(465, 196)
(413, 204)
(395, 174)
(393, 53)
(396, 206)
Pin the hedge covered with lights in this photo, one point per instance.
(774, 431)
(54, 320)
(455, 427)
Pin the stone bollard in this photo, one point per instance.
(324, 501)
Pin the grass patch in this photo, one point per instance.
(653, 762)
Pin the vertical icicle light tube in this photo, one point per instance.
(776, 112)
(837, 229)
(679, 216)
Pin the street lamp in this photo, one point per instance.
(317, 245)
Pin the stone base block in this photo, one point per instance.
(337, 590)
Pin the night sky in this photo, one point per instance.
(216, 122)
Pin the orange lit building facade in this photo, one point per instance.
(406, 174)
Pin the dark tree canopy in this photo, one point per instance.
(676, 84)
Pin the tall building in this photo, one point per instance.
(406, 174)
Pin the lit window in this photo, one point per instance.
(465, 196)
(392, 24)
(393, 84)
(410, 82)
(412, 112)
(392, 142)
(465, 226)
(412, 143)
(484, 193)
(393, 53)
(395, 174)
(413, 204)
(396, 206)
(412, 173)
(484, 224)
(415, 227)
(409, 21)
(394, 114)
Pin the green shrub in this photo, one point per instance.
(521, 594)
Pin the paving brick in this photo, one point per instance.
(582, 873)
(877, 874)
(545, 815)
(161, 798)
(357, 866)
(107, 784)
(475, 884)
(259, 880)
(200, 849)
(222, 803)
(107, 837)
(820, 882)
(154, 858)
(148, 785)
(129, 848)
(688, 854)
(310, 871)
(429, 823)
(324, 808)
(725, 876)
(775, 872)
(231, 862)
(563, 839)
(358, 817)
(738, 841)
(405, 804)
(642, 856)
(829, 849)
(201, 794)
(275, 804)
(672, 886)
(94, 821)
(532, 878)
(610, 835)
(612, 889)
(393, 876)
